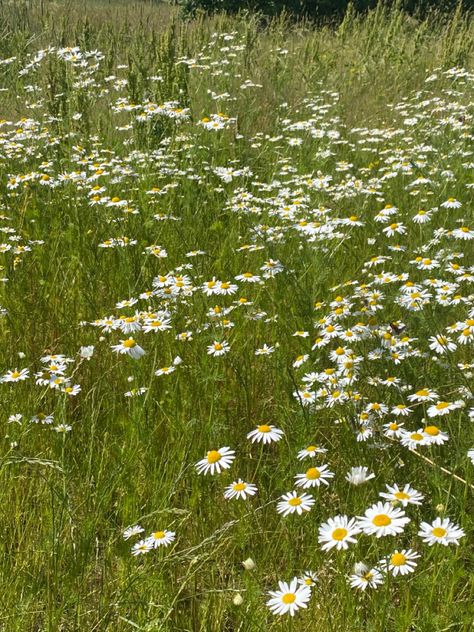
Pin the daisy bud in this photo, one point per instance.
(238, 600)
(21, 355)
(248, 564)
(440, 508)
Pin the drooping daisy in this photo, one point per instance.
(441, 408)
(293, 502)
(161, 538)
(440, 531)
(405, 496)
(435, 435)
(423, 395)
(265, 433)
(16, 376)
(240, 489)
(130, 348)
(289, 597)
(383, 519)
(314, 477)
(441, 344)
(338, 532)
(311, 451)
(400, 562)
(359, 475)
(451, 203)
(142, 547)
(132, 531)
(216, 461)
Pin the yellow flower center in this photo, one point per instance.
(311, 448)
(423, 393)
(416, 436)
(381, 520)
(239, 487)
(263, 428)
(442, 405)
(16, 374)
(218, 346)
(393, 426)
(313, 474)
(401, 495)
(438, 532)
(339, 534)
(159, 535)
(288, 598)
(398, 559)
(294, 502)
(213, 456)
(432, 430)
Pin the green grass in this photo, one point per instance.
(65, 498)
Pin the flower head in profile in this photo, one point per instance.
(265, 433)
(405, 496)
(289, 597)
(129, 347)
(358, 475)
(311, 451)
(215, 461)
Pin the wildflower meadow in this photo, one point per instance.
(237, 320)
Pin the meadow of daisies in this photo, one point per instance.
(237, 320)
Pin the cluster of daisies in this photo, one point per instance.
(386, 351)
(155, 540)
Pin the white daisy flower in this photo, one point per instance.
(314, 477)
(368, 579)
(405, 496)
(359, 475)
(240, 489)
(400, 562)
(215, 461)
(382, 519)
(311, 451)
(218, 348)
(265, 433)
(440, 531)
(289, 597)
(292, 502)
(142, 547)
(132, 531)
(338, 532)
(161, 538)
(130, 348)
